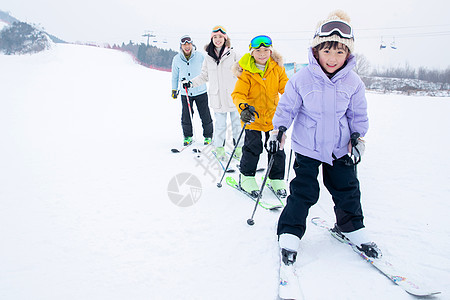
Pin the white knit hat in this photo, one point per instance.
(335, 15)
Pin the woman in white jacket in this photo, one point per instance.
(216, 70)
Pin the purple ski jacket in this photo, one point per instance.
(325, 111)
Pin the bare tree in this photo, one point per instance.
(362, 65)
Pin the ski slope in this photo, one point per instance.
(85, 213)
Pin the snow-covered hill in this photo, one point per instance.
(407, 86)
(85, 168)
(2, 25)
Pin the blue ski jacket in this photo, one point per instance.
(184, 68)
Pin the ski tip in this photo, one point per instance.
(276, 207)
(422, 294)
(231, 181)
(175, 150)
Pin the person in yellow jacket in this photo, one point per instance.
(261, 79)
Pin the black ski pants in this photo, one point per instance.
(340, 180)
(201, 101)
(253, 147)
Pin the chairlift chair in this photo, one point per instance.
(393, 46)
(382, 45)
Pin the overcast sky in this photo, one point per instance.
(419, 29)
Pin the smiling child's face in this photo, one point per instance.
(261, 55)
(333, 59)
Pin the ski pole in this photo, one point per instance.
(219, 184)
(289, 166)
(191, 117)
(354, 141)
(281, 131)
(252, 109)
(189, 104)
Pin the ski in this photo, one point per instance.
(257, 170)
(384, 266)
(237, 165)
(289, 287)
(181, 149)
(229, 170)
(266, 205)
(234, 157)
(206, 151)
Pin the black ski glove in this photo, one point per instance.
(247, 116)
(187, 84)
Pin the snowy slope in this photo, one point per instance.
(2, 25)
(85, 212)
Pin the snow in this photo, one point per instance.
(85, 166)
(2, 25)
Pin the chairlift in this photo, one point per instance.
(382, 45)
(393, 46)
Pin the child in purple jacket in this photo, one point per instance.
(326, 105)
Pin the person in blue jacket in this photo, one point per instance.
(185, 66)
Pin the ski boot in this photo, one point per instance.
(359, 239)
(220, 153)
(237, 153)
(207, 141)
(249, 185)
(187, 140)
(279, 186)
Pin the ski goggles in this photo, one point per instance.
(335, 26)
(219, 28)
(260, 40)
(186, 40)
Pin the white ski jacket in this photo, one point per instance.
(221, 81)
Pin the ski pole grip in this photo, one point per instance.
(281, 130)
(252, 109)
(243, 106)
(354, 138)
